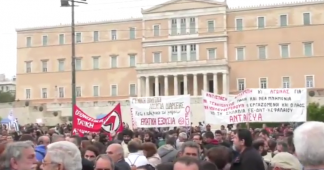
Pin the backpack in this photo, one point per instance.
(132, 164)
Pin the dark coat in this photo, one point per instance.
(249, 159)
(122, 165)
(87, 165)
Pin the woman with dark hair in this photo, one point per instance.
(91, 152)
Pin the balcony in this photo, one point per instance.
(182, 64)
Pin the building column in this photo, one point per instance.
(205, 82)
(225, 92)
(156, 86)
(166, 85)
(215, 83)
(139, 88)
(175, 85)
(147, 86)
(195, 88)
(185, 84)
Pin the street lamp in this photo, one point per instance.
(66, 3)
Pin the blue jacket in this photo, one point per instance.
(40, 151)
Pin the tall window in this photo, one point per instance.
(211, 54)
(156, 30)
(27, 93)
(157, 57)
(183, 26)
(284, 50)
(78, 91)
(95, 62)
(113, 61)
(286, 82)
(263, 83)
(261, 22)
(241, 84)
(28, 66)
(283, 20)
(174, 53)
(240, 53)
(28, 42)
(262, 52)
(308, 49)
(78, 64)
(114, 90)
(132, 89)
(183, 52)
(113, 35)
(95, 91)
(131, 33)
(132, 60)
(192, 52)
(45, 40)
(310, 81)
(44, 93)
(211, 26)
(239, 24)
(96, 36)
(192, 25)
(307, 18)
(61, 39)
(78, 37)
(61, 92)
(60, 65)
(174, 27)
(44, 66)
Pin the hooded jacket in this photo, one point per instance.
(40, 151)
(167, 153)
(211, 144)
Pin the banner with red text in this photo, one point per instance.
(256, 105)
(161, 111)
(83, 123)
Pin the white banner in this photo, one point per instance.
(256, 105)
(161, 111)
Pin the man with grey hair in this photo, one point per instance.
(181, 139)
(64, 154)
(40, 149)
(103, 161)
(309, 146)
(18, 156)
(190, 148)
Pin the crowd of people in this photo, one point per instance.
(281, 148)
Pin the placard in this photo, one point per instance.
(161, 111)
(256, 105)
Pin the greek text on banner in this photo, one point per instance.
(161, 111)
(256, 105)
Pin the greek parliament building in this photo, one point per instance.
(179, 47)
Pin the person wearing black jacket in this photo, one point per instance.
(249, 158)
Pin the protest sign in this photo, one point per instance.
(256, 105)
(161, 111)
(86, 124)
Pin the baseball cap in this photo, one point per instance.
(286, 160)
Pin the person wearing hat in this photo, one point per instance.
(285, 160)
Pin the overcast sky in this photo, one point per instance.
(29, 13)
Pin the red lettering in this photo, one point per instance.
(247, 91)
(249, 117)
(166, 121)
(217, 97)
(148, 121)
(279, 91)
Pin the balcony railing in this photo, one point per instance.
(214, 62)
